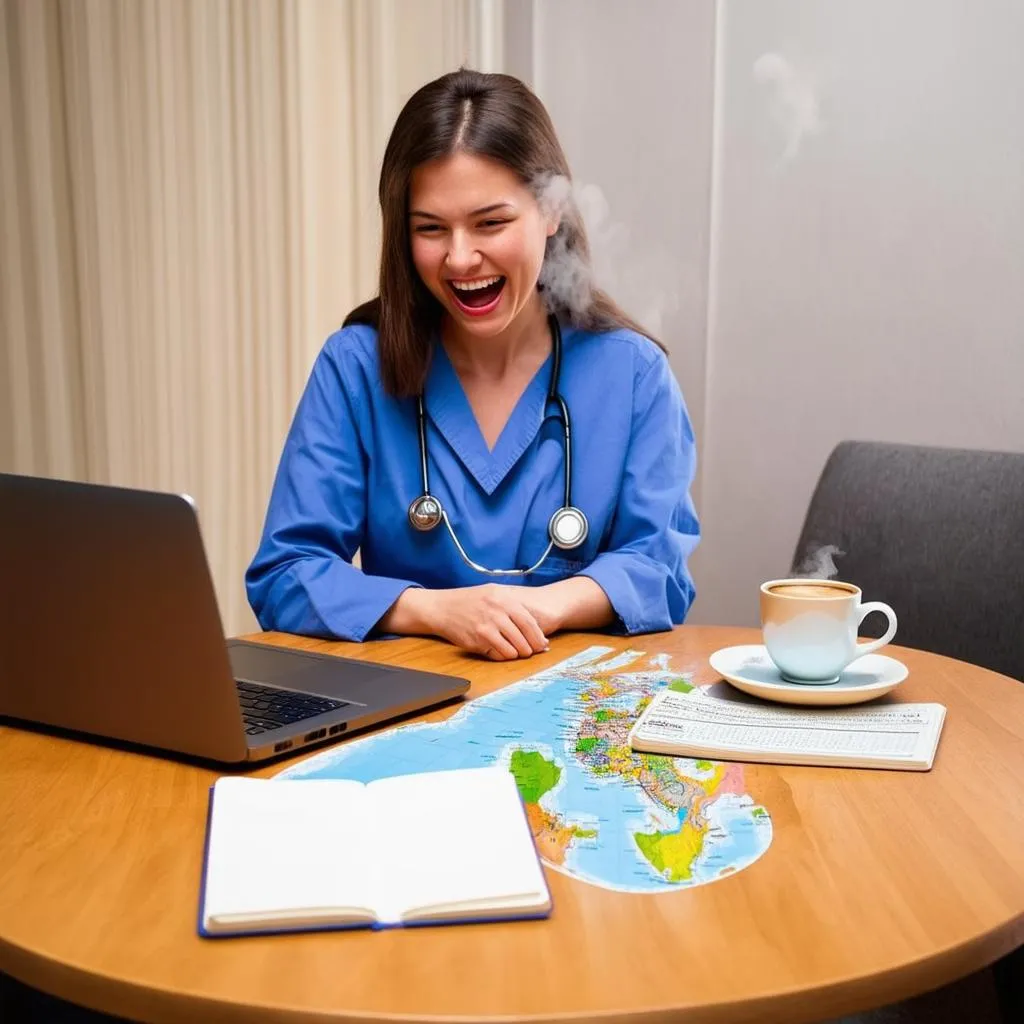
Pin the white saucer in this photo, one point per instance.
(750, 669)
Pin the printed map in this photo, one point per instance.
(599, 812)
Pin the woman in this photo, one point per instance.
(432, 433)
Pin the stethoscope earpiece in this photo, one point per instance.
(567, 528)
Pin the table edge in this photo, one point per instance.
(121, 996)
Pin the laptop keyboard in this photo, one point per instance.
(266, 707)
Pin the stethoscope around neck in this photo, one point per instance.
(568, 526)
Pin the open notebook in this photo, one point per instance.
(305, 854)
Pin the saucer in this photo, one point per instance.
(750, 669)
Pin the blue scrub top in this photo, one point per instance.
(351, 467)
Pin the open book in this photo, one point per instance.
(304, 854)
(695, 725)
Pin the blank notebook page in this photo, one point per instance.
(279, 847)
(458, 839)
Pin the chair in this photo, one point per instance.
(938, 533)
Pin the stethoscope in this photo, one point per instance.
(567, 528)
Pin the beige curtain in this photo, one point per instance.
(188, 209)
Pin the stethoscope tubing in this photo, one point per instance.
(426, 511)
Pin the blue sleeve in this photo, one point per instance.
(644, 570)
(301, 579)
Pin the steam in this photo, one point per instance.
(819, 563)
(568, 282)
(792, 98)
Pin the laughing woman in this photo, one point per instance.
(508, 452)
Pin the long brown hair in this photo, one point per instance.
(490, 115)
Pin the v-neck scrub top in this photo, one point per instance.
(351, 466)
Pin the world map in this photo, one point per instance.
(599, 811)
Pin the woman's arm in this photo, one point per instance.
(301, 579)
(643, 572)
(575, 603)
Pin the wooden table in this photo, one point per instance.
(878, 885)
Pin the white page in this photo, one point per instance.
(287, 851)
(893, 732)
(454, 839)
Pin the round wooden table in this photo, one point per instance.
(878, 885)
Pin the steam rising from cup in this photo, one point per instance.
(819, 563)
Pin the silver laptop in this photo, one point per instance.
(109, 626)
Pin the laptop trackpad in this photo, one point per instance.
(331, 677)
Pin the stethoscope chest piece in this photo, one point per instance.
(425, 512)
(568, 528)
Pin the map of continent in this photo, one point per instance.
(599, 811)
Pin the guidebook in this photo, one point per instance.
(696, 725)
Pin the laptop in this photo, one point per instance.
(109, 626)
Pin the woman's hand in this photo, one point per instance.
(493, 620)
(500, 622)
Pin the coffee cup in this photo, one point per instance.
(810, 627)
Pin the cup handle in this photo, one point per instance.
(865, 610)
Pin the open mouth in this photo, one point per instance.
(477, 297)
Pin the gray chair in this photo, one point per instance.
(938, 533)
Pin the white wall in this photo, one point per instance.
(866, 231)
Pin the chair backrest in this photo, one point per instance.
(938, 533)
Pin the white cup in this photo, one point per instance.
(810, 627)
